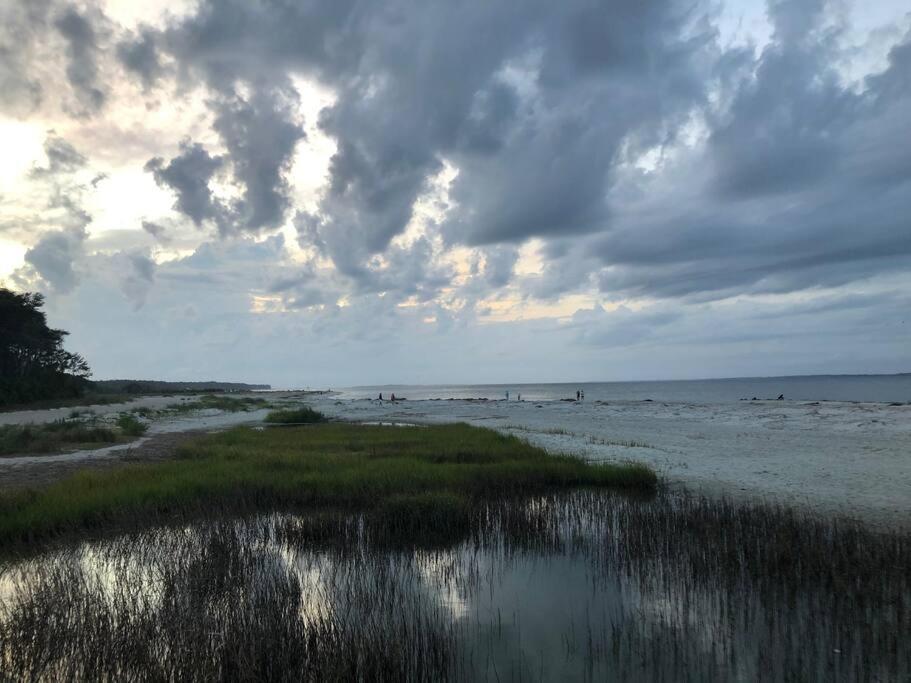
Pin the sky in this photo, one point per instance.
(318, 193)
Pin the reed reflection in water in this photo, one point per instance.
(580, 586)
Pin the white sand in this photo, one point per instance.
(847, 459)
(53, 414)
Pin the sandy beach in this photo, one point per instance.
(846, 459)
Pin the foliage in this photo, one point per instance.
(33, 363)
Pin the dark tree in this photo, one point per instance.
(33, 363)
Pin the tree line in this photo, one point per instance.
(33, 363)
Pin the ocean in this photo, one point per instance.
(861, 388)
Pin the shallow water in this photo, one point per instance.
(872, 388)
(585, 586)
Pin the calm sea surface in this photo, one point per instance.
(874, 388)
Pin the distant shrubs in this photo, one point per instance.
(131, 426)
(302, 415)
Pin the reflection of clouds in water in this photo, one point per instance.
(311, 571)
(439, 572)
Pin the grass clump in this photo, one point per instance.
(131, 426)
(333, 465)
(53, 437)
(302, 415)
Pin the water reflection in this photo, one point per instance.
(582, 586)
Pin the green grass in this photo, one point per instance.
(334, 465)
(302, 415)
(53, 437)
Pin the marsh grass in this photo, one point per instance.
(667, 587)
(301, 415)
(53, 437)
(333, 465)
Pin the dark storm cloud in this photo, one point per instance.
(82, 55)
(188, 175)
(796, 179)
(139, 55)
(417, 84)
(808, 184)
(260, 133)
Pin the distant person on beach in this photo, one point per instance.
(507, 395)
(582, 394)
(393, 398)
(381, 395)
(518, 397)
(578, 394)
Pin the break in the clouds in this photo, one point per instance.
(462, 191)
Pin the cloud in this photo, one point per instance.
(139, 55)
(260, 133)
(21, 23)
(650, 162)
(188, 175)
(53, 257)
(62, 158)
(82, 55)
(156, 231)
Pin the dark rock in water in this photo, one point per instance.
(569, 400)
(754, 399)
(780, 397)
(896, 403)
(647, 400)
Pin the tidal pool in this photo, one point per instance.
(582, 586)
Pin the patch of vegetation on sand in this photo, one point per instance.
(54, 437)
(131, 426)
(302, 415)
(229, 404)
(334, 465)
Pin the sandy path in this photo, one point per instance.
(161, 441)
(847, 459)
